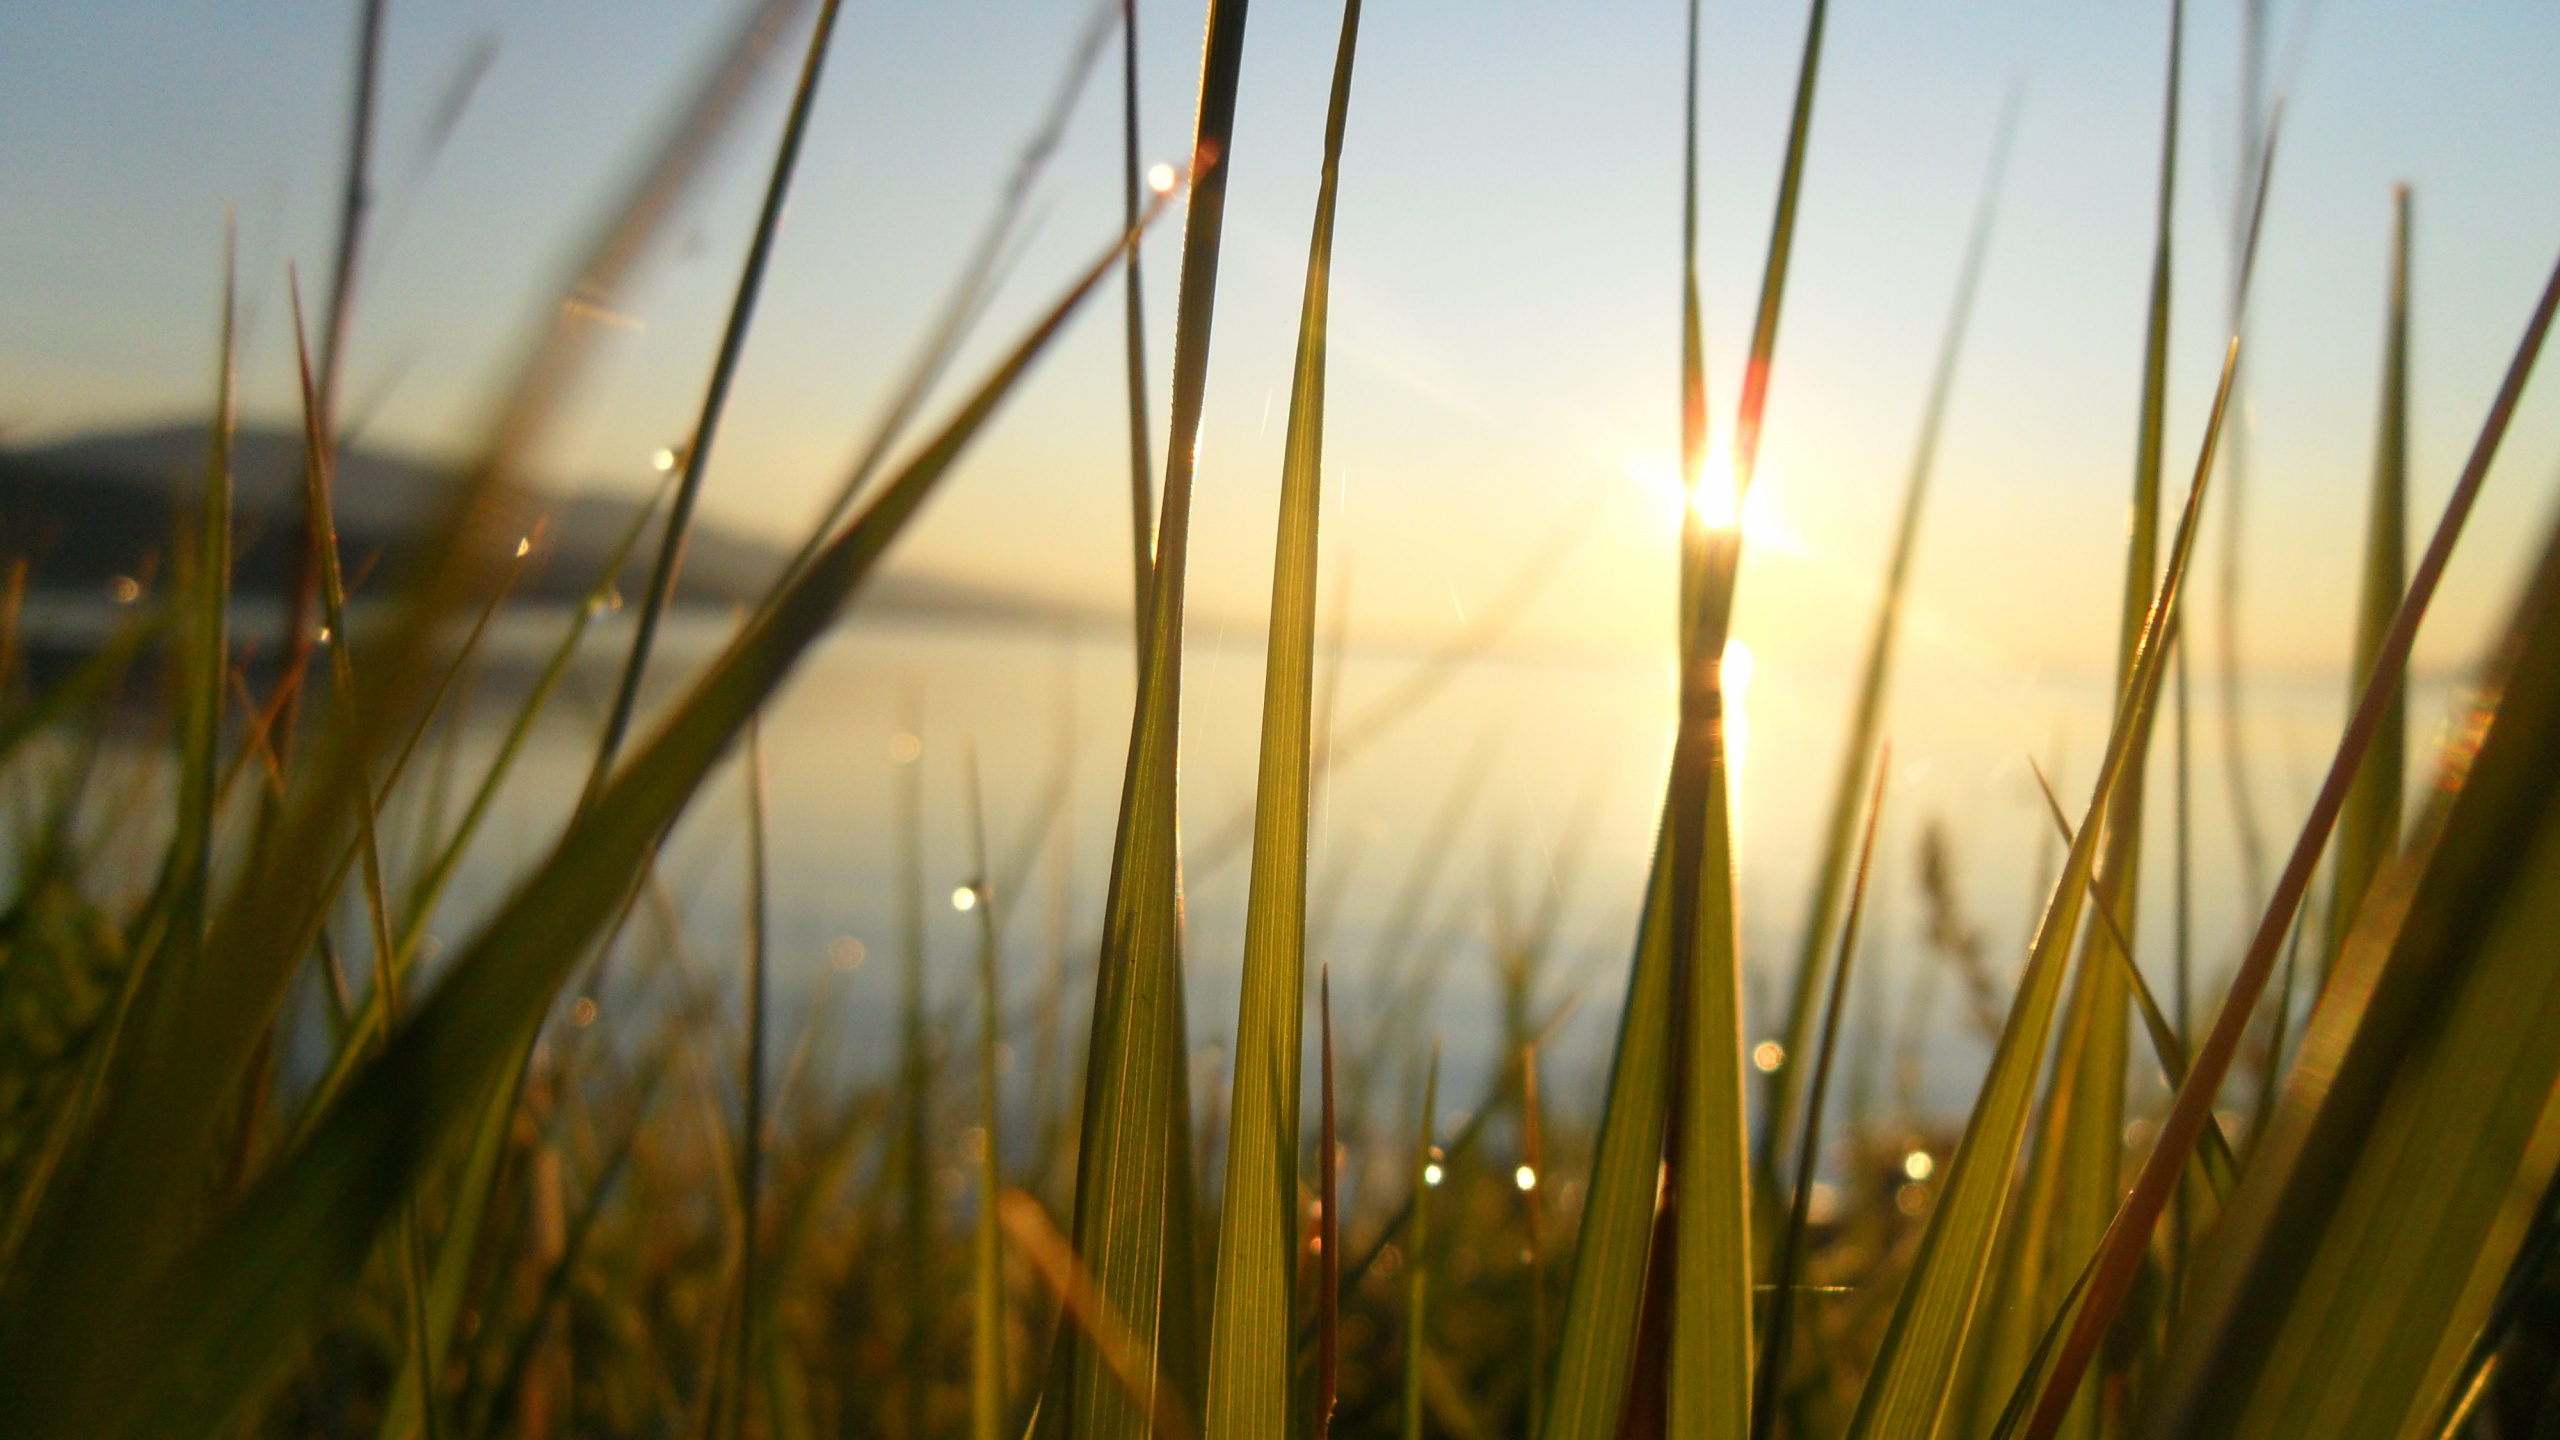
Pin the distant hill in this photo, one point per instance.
(86, 511)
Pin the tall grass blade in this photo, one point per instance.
(1866, 717)
(144, 1351)
(1083, 1306)
(1771, 1372)
(204, 650)
(1134, 1198)
(2128, 1237)
(1142, 489)
(1328, 1230)
(715, 395)
(2085, 1116)
(1253, 1321)
(2369, 826)
(1913, 1378)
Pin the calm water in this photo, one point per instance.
(1521, 781)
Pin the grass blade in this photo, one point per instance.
(1142, 490)
(2128, 1237)
(1253, 1320)
(1772, 1369)
(715, 395)
(2369, 826)
(2423, 1105)
(1328, 1231)
(1915, 1369)
(1866, 718)
(1133, 1208)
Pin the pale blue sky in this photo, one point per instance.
(1506, 277)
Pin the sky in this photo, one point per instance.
(1505, 306)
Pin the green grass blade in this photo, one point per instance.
(203, 656)
(1142, 489)
(1914, 1375)
(1253, 1321)
(1595, 1351)
(1866, 718)
(1771, 1371)
(303, 1233)
(2085, 1118)
(715, 393)
(2369, 827)
(2128, 1238)
(1133, 1209)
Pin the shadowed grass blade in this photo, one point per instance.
(1254, 1313)
(154, 1358)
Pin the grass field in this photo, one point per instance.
(277, 1160)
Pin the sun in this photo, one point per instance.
(1713, 498)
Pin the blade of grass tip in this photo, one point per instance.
(2221, 1167)
(1083, 1305)
(1417, 1305)
(204, 654)
(1133, 1204)
(304, 1230)
(1773, 281)
(319, 478)
(1142, 495)
(2256, 134)
(355, 199)
(1822, 911)
(1328, 1224)
(751, 1087)
(986, 1320)
(1253, 1321)
(427, 889)
(1910, 1382)
(320, 470)
(999, 242)
(715, 396)
(1772, 1370)
(1693, 353)
(2128, 1237)
(2369, 827)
